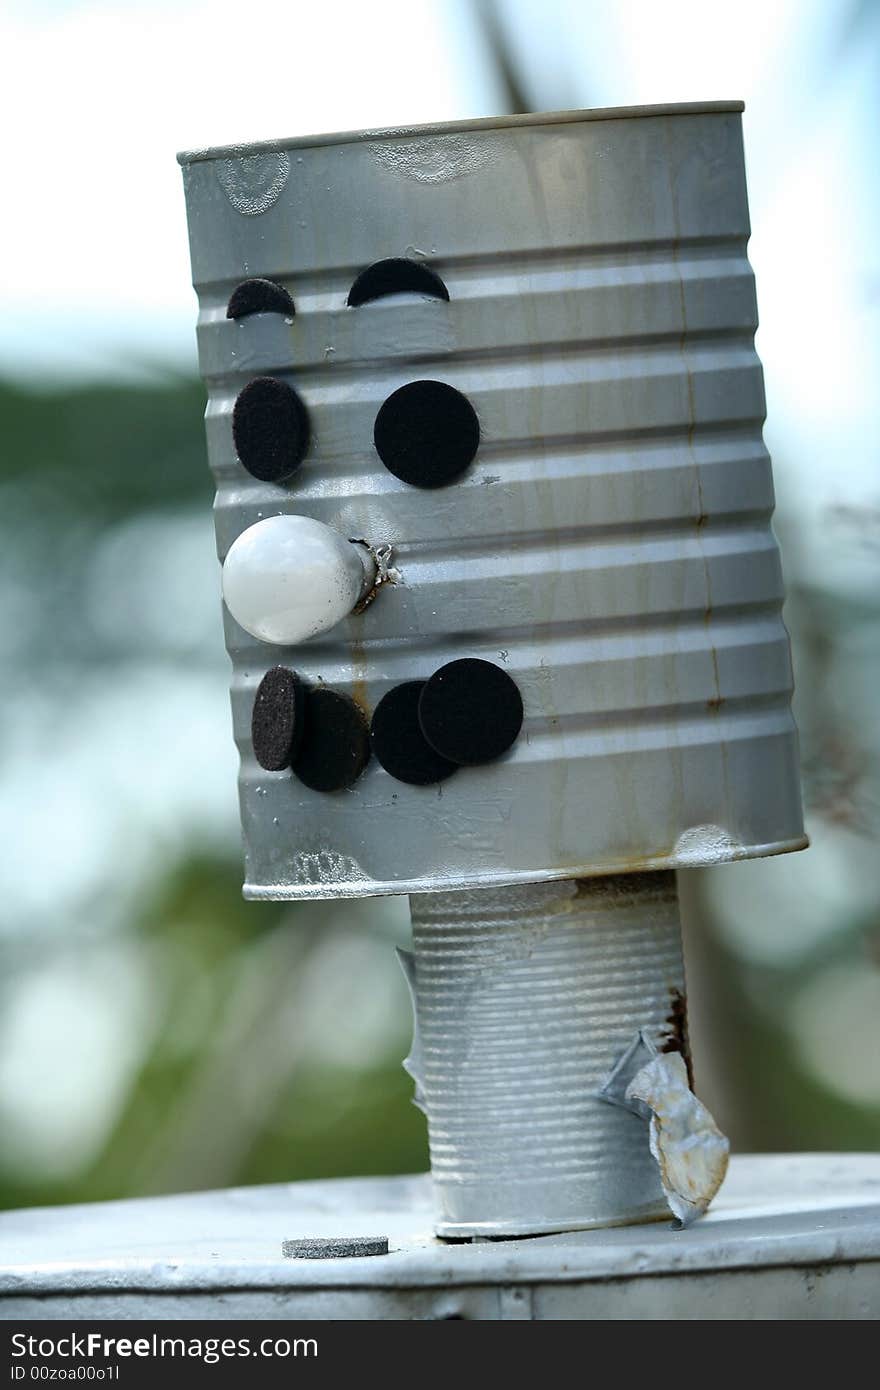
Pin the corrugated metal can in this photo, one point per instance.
(610, 546)
(524, 999)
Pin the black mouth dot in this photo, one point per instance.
(277, 720)
(470, 711)
(335, 746)
(398, 741)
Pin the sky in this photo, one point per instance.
(95, 275)
(96, 264)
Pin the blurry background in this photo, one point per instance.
(156, 1032)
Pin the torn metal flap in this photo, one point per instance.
(614, 1088)
(412, 1064)
(690, 1150)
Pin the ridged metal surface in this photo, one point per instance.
(525, 997)
(610, 545)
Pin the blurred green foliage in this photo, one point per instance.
(108, 450)
(188, 1120)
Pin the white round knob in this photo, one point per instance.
(288, 578)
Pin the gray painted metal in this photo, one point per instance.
(610, 545)
(524, 999)
(337, 1248)
(790, 1236)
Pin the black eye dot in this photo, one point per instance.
(397, 275)
(277, 720)
(470, 711)
(270, 429)
(426, 433)
(335, 745)
(259, 297)
(398, 741)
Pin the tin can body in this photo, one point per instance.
(610, 546)
(524, 999)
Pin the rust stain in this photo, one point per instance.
(717, 700)
(702, 515)
(626, 883)
(359, 676)
(383, 573)
(677, 1039)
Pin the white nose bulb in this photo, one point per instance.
(289, 578)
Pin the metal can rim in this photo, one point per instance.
(368, 888)
(477, 126)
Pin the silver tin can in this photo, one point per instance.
(524, 999)
(610, 545)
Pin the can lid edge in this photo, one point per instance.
(484, 123)
(377, 888)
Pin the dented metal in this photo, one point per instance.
(610, 546)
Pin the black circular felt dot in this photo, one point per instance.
(335, 746)
(270, 429)
(470, 711)
(277, 719)
(426, 433)
(259, 296)
(396, 275)
(398, 741)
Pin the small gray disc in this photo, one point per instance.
(334, 1247)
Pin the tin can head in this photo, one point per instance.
(515, 359)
